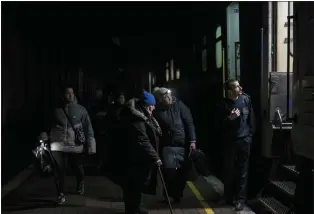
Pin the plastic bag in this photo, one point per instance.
(43, 162)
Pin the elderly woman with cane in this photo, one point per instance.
(141, 132)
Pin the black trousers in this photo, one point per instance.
(236, 163)
(174, 160)
(175, 180)
(132, 189)
(61, 160)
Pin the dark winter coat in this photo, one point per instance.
(176, 123)
(177, 126)
(140, 134)
(243, 126)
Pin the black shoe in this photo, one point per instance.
(226, 202)
(61, 199)
(80, 188)
(143, 211)
(176, 200)
(239, 206)
(165, 201)
(138, 211)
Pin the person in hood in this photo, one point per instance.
(97, 112)
(112, 130)
(116, 107)
(63, 140)
(238, 125)
(98, 102)
(141, 146)
(178, 139)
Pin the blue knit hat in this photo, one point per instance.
(148, 98)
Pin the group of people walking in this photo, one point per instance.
(154, 130)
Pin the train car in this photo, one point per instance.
(268, 47)
(281, 59)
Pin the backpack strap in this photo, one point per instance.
(68, 118)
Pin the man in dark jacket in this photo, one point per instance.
(238, 128)
(116, 107)
(141, 139)
(97, 110)
(112, 129)
(178, 138)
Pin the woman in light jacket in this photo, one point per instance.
(70, 120)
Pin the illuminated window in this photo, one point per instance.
(218, 54)
(150, 80)
(218, 48)
(204, 60)
(167, 71)
(283, 10)
(178, 74)
(172, 69)
(218, 32)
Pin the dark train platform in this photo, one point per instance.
(37, 195)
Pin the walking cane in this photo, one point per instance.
(160, 174)
(165, 188)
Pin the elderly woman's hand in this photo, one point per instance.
(192, 145)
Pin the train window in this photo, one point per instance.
(218, 32)
(172, 69)
(167, 75)
(218, 54)
(218, 47)
(150, 78)
(284, 9)
(178, 74)
(204, 60)
(282, 36)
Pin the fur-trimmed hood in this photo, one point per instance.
(134, 106)
(138, 111)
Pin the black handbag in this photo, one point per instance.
(78, 132)
(191, 173)
(200, 162)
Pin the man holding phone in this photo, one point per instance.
(238, 124)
